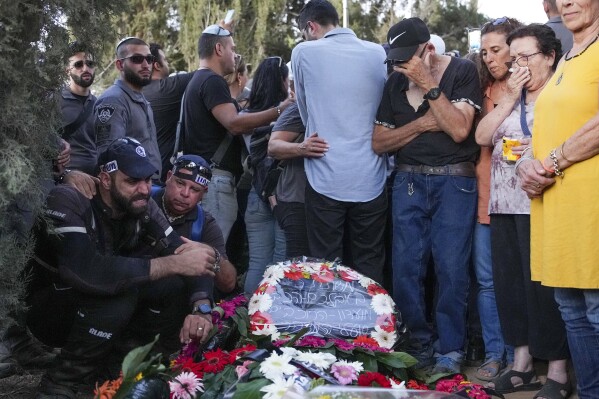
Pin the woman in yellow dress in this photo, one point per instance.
(562, 181)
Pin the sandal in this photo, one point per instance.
(504, 384)
(554, 390)
(489, 370)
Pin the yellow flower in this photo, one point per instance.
(139, 377)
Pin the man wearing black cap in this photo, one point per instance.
(110, 270)
(425, 117)
(181, 200)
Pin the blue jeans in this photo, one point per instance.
(221, 200)
(487, 307)
(266, 240)
(433, 215)
(580, 311)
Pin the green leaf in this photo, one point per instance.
(134, 360)
(396, 359)
(368, 361)
(251, 390)
(297, 336)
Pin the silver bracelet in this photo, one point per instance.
(520, 161)
(216, 260)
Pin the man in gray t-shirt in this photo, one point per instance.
(555, 23)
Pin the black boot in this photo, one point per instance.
(19, 350)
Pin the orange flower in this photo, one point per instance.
(363, 339)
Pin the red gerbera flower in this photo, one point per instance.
(325, 275)
(374, 289)
(260, 318)
(294, 274)
(366, 341)
(386, 322)
(240, 352)
(413, 384)
(215, 361)
(189, 365)
(373, 379)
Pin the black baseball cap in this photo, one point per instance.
(199, 168)
(127, 155)
(404, 38)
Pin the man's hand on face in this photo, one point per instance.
(83, 182)
(418, 71)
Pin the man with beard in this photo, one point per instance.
(109, 274)
(122, 110)
(76, 106)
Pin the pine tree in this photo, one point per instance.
(34, 36)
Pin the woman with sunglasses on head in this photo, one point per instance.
(560, 176)
(265, 238)
(494, 53)
(237, 81)
(528, 313)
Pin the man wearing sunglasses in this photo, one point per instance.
(122, 110)
(212, 122)
(110, 273)
(76, 105)
(181, 203)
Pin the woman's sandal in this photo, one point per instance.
(504, 384)
(489, 370)
(554, 390)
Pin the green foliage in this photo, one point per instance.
(251, 390)
(33, 40)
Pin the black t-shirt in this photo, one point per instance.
(165, 96)
(459, 84)
(203, 132)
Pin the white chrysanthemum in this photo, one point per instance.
(384, 338)
(382, 304)
(278, 388)
(290, 351)
(273, 274)
(268, 329)
(366, 281)
(259, 302)
(321, 360)
(311, 267)
(358, 366)
(277, 366)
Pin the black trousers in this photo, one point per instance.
(528, 313)
(292, 219)
(90, 328)
(364, 223)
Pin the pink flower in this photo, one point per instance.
(386, 322)
(344, 374)
(342, 344)
(243, 369)
(229, 308)
(185, 386)
(315, 342)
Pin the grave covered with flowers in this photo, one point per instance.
(310, 323)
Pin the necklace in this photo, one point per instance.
(170, 218)
(566, 59)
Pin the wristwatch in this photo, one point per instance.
(433, 94)
(203, 308)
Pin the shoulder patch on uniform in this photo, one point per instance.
(105, 113)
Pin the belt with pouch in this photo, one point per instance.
(465, 169)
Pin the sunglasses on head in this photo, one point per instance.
(79, 64)
(216, 30)
(139, 59)
(497, 22)
(277, 58)
(194, 167)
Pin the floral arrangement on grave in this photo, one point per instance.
(309, 323)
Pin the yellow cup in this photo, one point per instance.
(508, 155)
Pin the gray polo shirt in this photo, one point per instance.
(339, 82)
(121, 111)
(561, 32)
(82, 141)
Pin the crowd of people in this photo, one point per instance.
(154, 173)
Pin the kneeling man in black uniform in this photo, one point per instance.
(110, 270)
